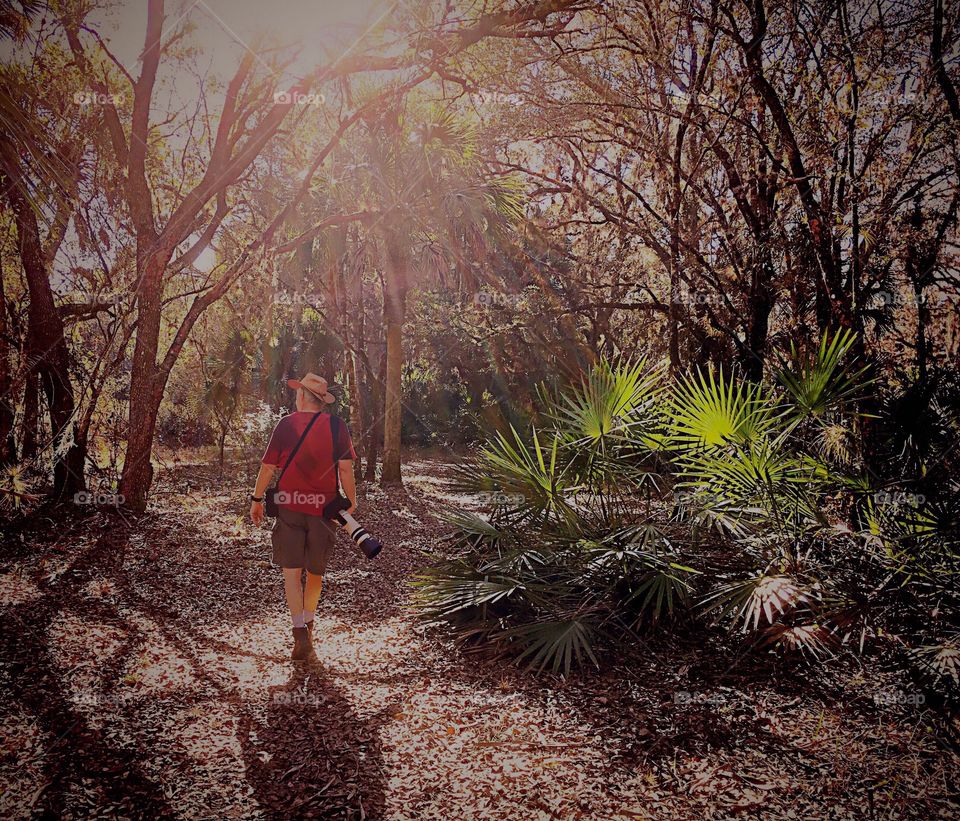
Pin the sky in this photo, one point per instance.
(317, 31)
(321, 28)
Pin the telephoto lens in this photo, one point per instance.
(336, 511)
(367, 543)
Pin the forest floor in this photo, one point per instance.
(145, 673)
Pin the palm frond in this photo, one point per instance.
(554, 643)
(448, 591)
(661, 589)
(611, 404)
(939, 661)
(746, 601)
(746, 484)
(813, 640)
(819, 383)
(712, 410)
(531, 473)
(469, 528)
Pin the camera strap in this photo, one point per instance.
(293, 453)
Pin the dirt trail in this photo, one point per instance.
(145, 673)
(164, 649)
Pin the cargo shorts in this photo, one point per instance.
(302, 540)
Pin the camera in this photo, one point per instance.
(336, 511)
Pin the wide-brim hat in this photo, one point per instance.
(314, 384)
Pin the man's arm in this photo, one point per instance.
(347, 482)
(263, 480)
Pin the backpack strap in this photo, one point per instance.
(335, 423)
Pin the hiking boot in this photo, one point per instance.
(302, 648)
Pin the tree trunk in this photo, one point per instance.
(754, 353)
(394, 310)
(375, 429)
(392, 408)
(673, 324)
(8, 445)
(31, 415)
(46, 345)
(147, 382)
(76, 458)
(137, 476)
(356, 410)
(359, 407)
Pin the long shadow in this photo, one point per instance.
(311, 756)
(79, 753)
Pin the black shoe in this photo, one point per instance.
(302, 648)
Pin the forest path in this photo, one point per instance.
(167, 654)
(146, 674)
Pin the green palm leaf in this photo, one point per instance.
(554, 643)
(819, 383)
(447, 592)
(469, 528)
(531, 473)
(746, 484)
(711, 410)
(610, 404)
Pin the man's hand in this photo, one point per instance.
(263, 479)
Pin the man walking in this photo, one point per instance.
(302, 538)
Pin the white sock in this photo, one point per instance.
(308, 616)
(298, 621)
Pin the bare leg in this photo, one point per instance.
(293, 589)
(311, 592)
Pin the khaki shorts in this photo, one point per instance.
(302, 540)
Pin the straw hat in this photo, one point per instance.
(314, 384)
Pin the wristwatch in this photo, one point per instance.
(256, 498)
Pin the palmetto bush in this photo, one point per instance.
(639, 501)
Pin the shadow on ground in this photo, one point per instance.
(136, 682)
(310, 755)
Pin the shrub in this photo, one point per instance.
(607, 519)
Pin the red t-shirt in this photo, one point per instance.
(311, 480)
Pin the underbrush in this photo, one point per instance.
(640, 503)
